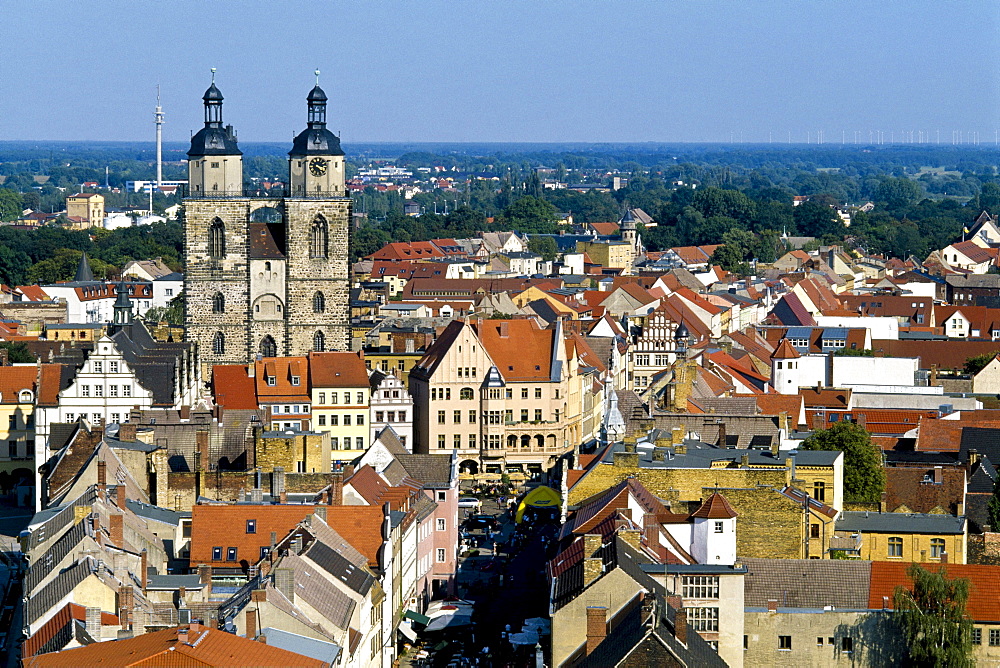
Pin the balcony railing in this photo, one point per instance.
(260, 193)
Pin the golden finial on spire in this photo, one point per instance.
(213, 75)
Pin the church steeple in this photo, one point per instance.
(215, 162)
(316, 161)
(83, 271)
(122, 316)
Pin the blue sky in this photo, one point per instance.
(543, 71)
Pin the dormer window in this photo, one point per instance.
(271, 381)
(295, 381)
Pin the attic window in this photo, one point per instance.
(271, 381)
(538, 368)
(295, 381)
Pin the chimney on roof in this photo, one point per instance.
(944, 557)
(680, 626)
(335, 495)
(185, 412)
(205, 574)
(102, 476)
(116, 530)
(251, 623)
(120, 495)
(182, 635)
(597, 627)
(201, 440)
(504, 329)
(938, 475)
(143, 569)
(277, 481)
(126, 602)
(772, 605)
(284, 581)
(93, 621)
(127, 431)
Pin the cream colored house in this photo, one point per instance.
(504, 395)
(341, 397)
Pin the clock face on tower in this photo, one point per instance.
(317, 166)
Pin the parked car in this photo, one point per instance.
(469, 502)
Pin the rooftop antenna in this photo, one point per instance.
(158, 119)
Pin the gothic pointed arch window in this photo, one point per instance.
(319, 303)
(268, 348)
(319, 342)
(318, 238)
(217, 239)
(218, 303)
(219, 344)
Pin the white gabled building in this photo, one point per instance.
(391, 406)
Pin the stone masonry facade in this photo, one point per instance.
(294, 330)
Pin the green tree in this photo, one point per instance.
(897, 192)
(17, 352)
(814, 219)
(977, 363)
(172, 313)
(10, 204)
(933, 620)
(14, 266)
(532, 215)
(864, 477)
(993, 508)
(544, 246)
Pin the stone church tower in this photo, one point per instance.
(266, 272)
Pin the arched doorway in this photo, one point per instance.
(469, 466)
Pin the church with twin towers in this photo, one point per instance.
(266, 273)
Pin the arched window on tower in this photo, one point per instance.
(318, 238)
(319, 342)
(219, 344)
(217, 239)
(268, 348)
(319, 303)
(218, 303)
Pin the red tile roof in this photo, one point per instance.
(201, 647)
(48, 631)
(338, 370)
(785, 351)
(715, 507)
(13, 379)
(984, 583)
(360, 526)
(226, 526)
(233, 388)
(520, 350)
(283, 370)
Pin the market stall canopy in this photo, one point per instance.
(540, 497)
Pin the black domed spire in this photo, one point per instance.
(316, 95)
(213, 94)
(213, 139)
(316, 139)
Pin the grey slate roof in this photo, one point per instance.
(42, 564)
(866, 522)
(158, 581)
(434, 471)
(355, 577)
(807, 583)
(321, 594)
(701, 456)
(50, 595)
(156, 513)
(292, 642)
